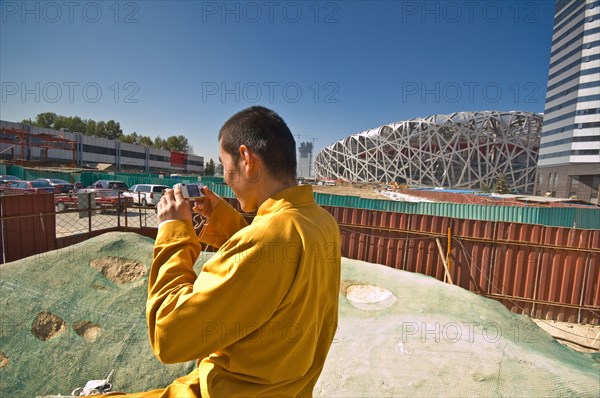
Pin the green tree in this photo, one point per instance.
(177, 143)
(113, 130)
(160, 143)
(45, 119)
(60, 122)
(101, 129)
(77, 125)
(71, 123)
(501, 185)
(145, 140)
(219, 169)
(110, 130)
(132, 138)
(209, 170)
(90, 127)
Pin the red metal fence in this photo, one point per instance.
(27, 225)
(546, 272)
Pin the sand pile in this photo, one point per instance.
(441, 340)
(74, 314)
(400, 334)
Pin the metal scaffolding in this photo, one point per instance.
(461, 150)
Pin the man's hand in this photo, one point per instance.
(207, 203)
(173, 206)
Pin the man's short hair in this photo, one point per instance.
(266, 134)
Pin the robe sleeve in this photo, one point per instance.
(224, 222)
(238, 291)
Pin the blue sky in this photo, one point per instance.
(329, 68)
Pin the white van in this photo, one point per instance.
(146, 194)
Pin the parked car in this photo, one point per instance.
(110, 184)
(102, 198)
(62, 185)
(30, 186)
(146, 194)
(8, 179)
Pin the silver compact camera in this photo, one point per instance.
(190, 191)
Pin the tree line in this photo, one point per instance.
(110, 130)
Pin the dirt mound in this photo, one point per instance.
(92, 306)
(430, 338)
(119, 270)
(3, 360)
(436, 339)
(47, 326)
(88, 330)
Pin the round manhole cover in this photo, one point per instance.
(369, 297)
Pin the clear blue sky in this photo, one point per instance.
(330, 69)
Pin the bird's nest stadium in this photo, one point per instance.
(465, 150)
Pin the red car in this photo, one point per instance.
(31, 187)
(102, 197)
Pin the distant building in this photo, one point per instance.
(569, 156)
(460, 150)
(32, 144)
(305, 159)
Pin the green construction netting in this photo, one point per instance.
(400, 334)
(63, 283)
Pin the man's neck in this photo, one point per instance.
(268, 188)
(273, 189)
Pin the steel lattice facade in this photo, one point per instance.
(460, 150)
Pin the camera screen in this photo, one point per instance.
(194, 191)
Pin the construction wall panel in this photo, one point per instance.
(546, 272)
(29, 225)
(581, 218)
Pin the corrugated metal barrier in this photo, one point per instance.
(571, 217)
(545, 272)
(27, 225)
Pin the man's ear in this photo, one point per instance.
(246, 159)
(249, 162)
(245, 155)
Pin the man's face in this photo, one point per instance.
(232, 174)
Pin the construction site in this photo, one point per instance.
(469, 233)
(434, 299)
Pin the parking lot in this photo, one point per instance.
(72, 222)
